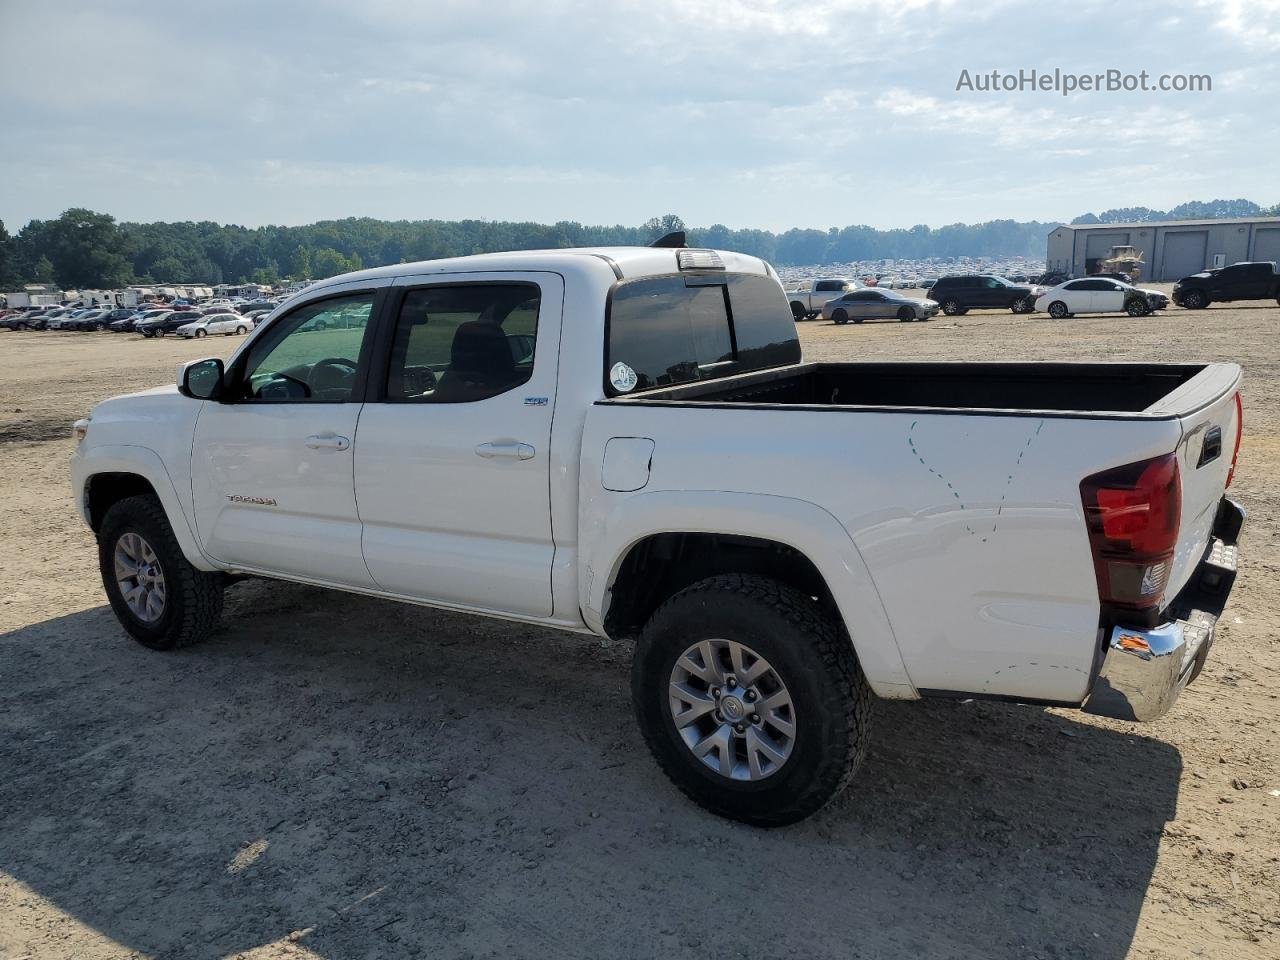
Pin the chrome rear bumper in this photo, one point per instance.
(1144, 670)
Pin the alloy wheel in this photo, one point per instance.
(139, 577)
(732, 710)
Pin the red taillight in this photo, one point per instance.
(1235, 454)
(1133, 513)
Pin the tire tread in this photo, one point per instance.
(200, 593)
(848, 708)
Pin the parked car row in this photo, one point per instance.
(149, 320)
(843, 301)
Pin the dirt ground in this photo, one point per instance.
(340, 777)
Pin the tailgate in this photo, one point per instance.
(1207, 409)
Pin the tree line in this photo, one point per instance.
(86, 249)
(1192, 210)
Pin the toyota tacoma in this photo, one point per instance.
(627, 442)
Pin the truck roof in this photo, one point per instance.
(625, 262)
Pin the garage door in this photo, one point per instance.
(1098, 245)
(1184, 254)
(1266, 245)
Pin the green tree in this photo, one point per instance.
(42, 272)
(328, 262)
(268, 274)
(87, 249)
(168, 270)
(657, 227)
(9, 276)
(300, 263)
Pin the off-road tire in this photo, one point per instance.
(193, 601)
(811, 654)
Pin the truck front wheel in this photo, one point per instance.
(158, 597)
(751, 699)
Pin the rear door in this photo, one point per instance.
(1076, 295)
(453, 448)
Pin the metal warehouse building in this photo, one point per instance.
(1171, 249)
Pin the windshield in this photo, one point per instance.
(668, 330)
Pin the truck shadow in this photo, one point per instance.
(358, 778)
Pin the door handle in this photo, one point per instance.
(505, 448)
(329, 441)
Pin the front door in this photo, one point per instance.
(1108, 297)
(272, 472)
(453, 452)
(993, 293)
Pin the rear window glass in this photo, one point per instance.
(669, 330)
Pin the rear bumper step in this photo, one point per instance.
(1144, 670)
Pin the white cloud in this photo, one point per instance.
(747, 112)
(1254, 23)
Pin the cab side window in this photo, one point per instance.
(310, 355)
(464, 342)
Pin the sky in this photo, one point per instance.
(743, 112)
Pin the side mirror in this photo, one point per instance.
(201, 379)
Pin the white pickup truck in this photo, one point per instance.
(808, 297)
(625, 442)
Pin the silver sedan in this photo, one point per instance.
(878, 304)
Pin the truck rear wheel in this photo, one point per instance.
(158, 597)
(751, 699)
(797, 310)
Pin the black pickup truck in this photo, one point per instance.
(1240, 281)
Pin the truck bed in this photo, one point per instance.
(1088, 389)
(959, 485)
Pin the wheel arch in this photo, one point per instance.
(104, 475)
(689, 536)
